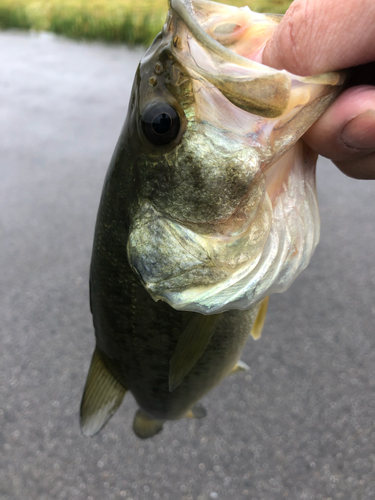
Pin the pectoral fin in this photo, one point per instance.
(145, 427)
(101, 397)
(256, 331)
(192, 343)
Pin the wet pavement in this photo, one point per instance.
(299, 425)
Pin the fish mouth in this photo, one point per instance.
(225, 47)
(263, 110)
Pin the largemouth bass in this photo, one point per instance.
(208, 206)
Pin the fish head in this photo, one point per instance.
(221, 206)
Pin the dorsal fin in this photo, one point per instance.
(101, 397)
(256, 331)
(191, 345)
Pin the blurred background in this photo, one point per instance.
(127, 21)
(299, 425)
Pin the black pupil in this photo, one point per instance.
(162, 124)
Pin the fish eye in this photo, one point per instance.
(160, 123)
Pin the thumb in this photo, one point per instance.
(317, 36)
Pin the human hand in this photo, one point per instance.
(316, 36)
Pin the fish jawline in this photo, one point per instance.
(287, 251)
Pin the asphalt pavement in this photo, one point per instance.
(299, 425)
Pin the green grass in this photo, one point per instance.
(128, 21)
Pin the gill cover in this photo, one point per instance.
(226, 210)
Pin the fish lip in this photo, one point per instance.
(247, 84)
(185, 9)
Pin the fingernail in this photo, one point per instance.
(359, 133)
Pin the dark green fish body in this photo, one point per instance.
(208, 207)
(139, 351)
(136, 336)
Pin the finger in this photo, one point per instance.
(362, 168)
(316, 36)
(346, 130)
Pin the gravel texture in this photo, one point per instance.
(299, 425)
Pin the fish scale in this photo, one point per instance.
(209, 206)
